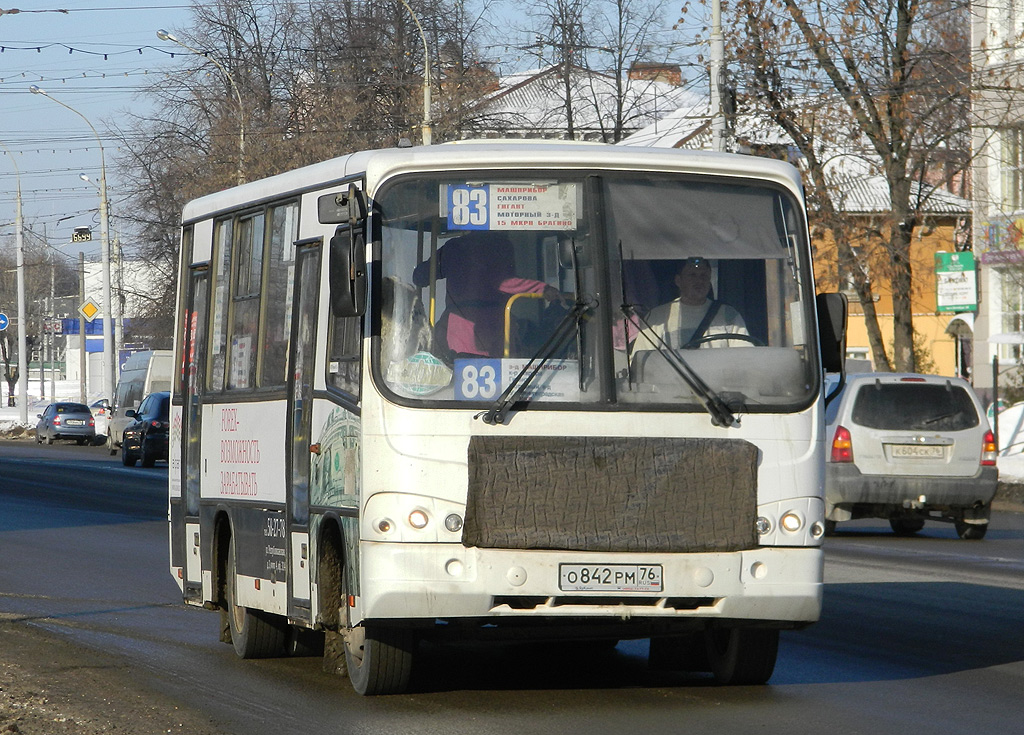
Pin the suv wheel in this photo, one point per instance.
(971, 531)
(906, 526)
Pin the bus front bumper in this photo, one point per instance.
(448, 581)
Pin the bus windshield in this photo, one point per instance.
(654, 290)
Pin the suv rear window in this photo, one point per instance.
(914, 406)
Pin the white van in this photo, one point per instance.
(143, 373)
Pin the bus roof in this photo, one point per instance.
(490, 153)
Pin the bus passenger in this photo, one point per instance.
(696, 314)
(479, 271)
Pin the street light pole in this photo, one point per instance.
(116, 286)
(427, 134)
(109, 364)
(165, 36)
(19, 227)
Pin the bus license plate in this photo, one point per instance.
(609, 577)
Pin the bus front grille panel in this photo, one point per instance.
(611, 494)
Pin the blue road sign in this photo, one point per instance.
(4, 321)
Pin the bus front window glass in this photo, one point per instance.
(709, 273)
(610, 281)
(466, 304)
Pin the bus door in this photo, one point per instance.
(301, 358)
(193, 379)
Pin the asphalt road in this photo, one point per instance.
(919, 635)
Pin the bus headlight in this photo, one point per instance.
(405, 517)
(763, 526)
(791, 522)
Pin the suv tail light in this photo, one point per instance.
(842, 445)
(988, 449)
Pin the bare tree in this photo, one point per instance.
(316, 79)
(887, 80)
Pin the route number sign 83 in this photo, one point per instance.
(468, 207)
(477, 380)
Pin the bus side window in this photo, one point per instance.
(248, 272)
(282, 231)
(221, 298)
(343, 363)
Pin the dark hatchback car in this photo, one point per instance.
(145, 438)
(66, 420)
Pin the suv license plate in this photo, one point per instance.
(917, 451)
(609, 577)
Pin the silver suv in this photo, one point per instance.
(910, 448)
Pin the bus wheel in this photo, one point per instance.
(678, 653)
(742, 655)
(254, 633)
(379, 659)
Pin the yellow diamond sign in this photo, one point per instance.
(89, 310)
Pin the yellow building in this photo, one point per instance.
(943, 339)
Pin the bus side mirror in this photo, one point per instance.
(348, 255)
(348, 271)
(832, 310)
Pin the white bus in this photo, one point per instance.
(412, 403)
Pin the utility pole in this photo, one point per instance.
(81, 331)
(19, 227)
(717, 77)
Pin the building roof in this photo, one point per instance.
(532, 103)
(862, 190)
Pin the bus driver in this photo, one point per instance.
(694, 315)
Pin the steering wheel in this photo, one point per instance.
(693, 344)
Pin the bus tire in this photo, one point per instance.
(739, 656)
(678, 653)
(379, 659)
(254, 633)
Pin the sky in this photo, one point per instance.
(94, 58)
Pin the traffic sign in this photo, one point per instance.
(89, 310)
(4, 321)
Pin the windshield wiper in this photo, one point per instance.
(721, 414)
(499, 410)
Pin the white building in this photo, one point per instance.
(998, 180)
